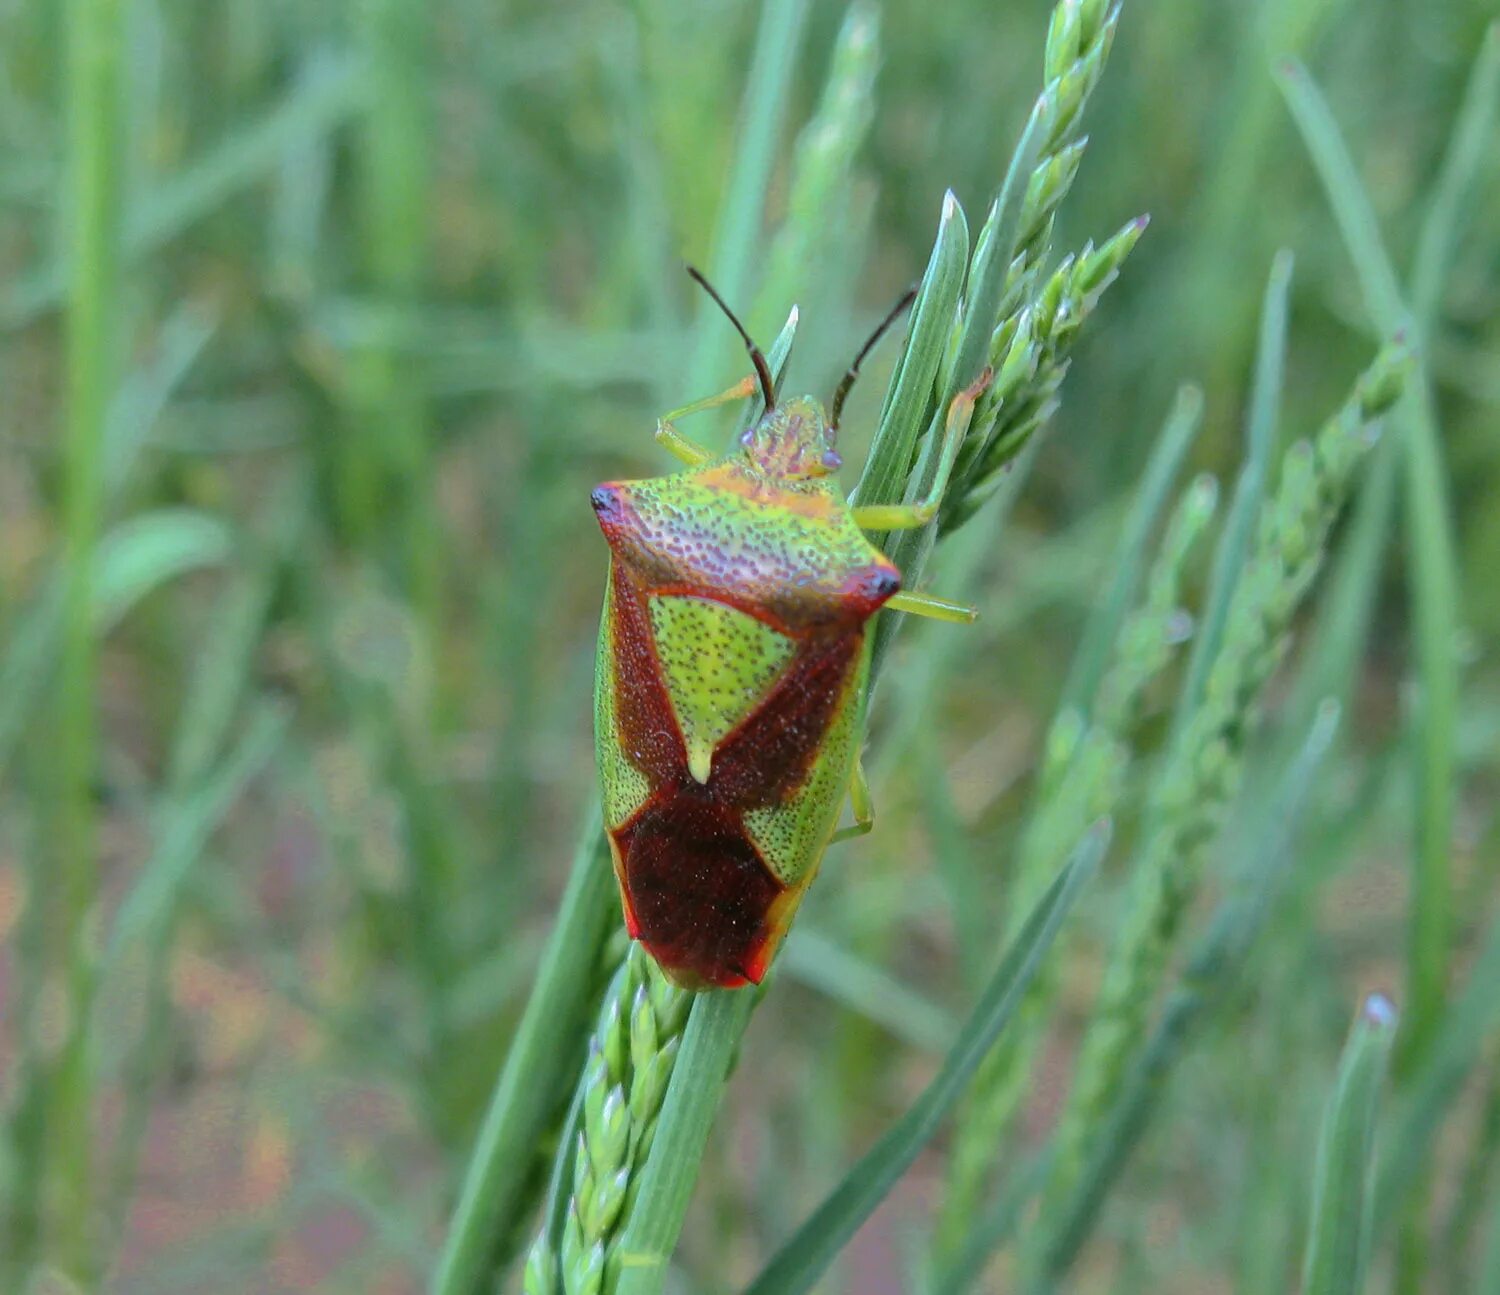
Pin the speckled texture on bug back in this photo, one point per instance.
(729, 705)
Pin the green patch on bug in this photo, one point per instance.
(718, 663)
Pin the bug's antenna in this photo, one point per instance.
(757, 357)
(847, 380)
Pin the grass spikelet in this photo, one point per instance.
(630, 1058)
(1081, 779)
(1201, 772)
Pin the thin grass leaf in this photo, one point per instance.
(132, 561)
(326, 93)
(1431, 1090)
(910, 393)
(818, 216)
(543, 1053)
(183, 826)
(1203, 770)
(1249, 487)
(1213, 968)
(150, 550)
(96, 336)
(1102, 628)
(1338, 1247)
(146, 392)
(225, 666)
(1469, 145)
(386, 459)
(805, 1257)
(1346, 196)
(859, 986)
(737, 239)
(1433, 568)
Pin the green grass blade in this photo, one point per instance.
(1212, 968)
(1489, 1276)
(909, 397)
(993, 253)
(818, 214)
(326, 94)
(132, 560)
(226, 664)
(145, 393)
(1103, 625)
(535, 1079)
(1471, 143)
(1433, 569)
(1339, 1244)
(802, 1261)
(386, 463)
(1346, 195)
(182, 832)
(860, 986)
(738, 237)
(95, 337)
(1430, 1092)
(148, 551)
(1239, 526)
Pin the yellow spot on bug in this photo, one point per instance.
(718, 663)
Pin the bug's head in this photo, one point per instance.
(793, 441)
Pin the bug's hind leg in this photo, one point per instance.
(862, 804)
(684, 447)
(905, 517)
(930, 605)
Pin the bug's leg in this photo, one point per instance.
(901, 517)
(930, 605)
(860, 802)
(685, 448)
(679, 446)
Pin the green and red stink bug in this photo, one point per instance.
(733, 661)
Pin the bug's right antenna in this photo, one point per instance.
(757, 357)
(847, 381)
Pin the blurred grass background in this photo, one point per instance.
(318, 324)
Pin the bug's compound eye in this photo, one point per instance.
(832, 461)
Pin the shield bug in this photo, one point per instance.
(733, 661)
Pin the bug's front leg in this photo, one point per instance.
(860, 802)
(684, 447)
(905, 517)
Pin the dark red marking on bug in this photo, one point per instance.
(699, 890)
(696, 891)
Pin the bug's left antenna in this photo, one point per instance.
(757, 356)
(847, 381)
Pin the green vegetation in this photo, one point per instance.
(318, 324)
